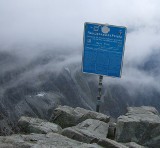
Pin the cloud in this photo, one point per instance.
(32, 27)
(53, 22)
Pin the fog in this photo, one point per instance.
(30, 28)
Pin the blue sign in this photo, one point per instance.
(103, 49)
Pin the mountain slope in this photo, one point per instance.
(35, 87)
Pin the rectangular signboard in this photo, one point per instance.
(103, 49)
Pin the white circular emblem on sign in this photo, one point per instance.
(105, 29)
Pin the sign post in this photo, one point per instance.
(99, 93)
(103, 51)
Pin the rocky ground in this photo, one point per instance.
(81, 128)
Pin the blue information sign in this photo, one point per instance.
(103, 49)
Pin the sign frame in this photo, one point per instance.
(122, 59)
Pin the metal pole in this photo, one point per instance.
(99, 93)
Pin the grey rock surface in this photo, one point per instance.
(66, 116)
(50, 140)
(108, 143)
(35, 125)
(87, 131)
(89, 146)
(91, 131)
(134, 145)
(140, 125)
(88, 114)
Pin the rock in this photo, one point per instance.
(51, 140)
(140, 125)
(87, 131)
(111, 131)
(90, 146)
(15, 141)
(66, 116)
(108, 143)
(133, 145)
(91, 131)
(87, 114)
(142, 110)
(35, 125)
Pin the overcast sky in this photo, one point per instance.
(58, 24)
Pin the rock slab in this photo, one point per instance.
(91, 131)
(140, 125)
(108, 143)
(87, 131)
(50, 140)
(66, 116)
(35, 125)
(134, 145)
